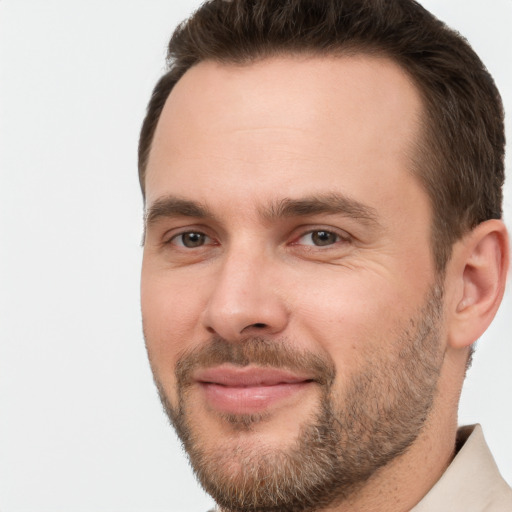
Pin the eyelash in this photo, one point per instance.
(338, 237)
(172, 240)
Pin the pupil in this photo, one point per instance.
(193, 239)
(323, 237)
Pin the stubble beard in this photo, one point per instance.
(379, 415)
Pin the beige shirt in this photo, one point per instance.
(472, 482)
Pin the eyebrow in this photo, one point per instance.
(171, 206)
(331, 204)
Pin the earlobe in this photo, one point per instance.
(481, 265)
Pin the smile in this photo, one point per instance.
(249, 390)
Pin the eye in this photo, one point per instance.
(319, 238)
(190, 239)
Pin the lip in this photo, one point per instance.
(249, 390)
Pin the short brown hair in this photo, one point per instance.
(460, 159)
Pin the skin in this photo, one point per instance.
(291, 128)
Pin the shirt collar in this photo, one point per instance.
(472, 481)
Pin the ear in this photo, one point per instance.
(477, 274)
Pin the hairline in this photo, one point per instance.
(351, 49)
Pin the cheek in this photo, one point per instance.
(352, 316)
(171, 318)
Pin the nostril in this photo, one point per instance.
(259, 325)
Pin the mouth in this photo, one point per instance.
(249, 390)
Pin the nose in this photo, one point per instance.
(246, 299)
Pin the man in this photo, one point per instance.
(323, 246)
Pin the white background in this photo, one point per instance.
(81, 428)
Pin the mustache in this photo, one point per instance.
(258, 351)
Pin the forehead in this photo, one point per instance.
(286, 123)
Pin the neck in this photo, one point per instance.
(402, 483)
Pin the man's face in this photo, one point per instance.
(289, 298)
